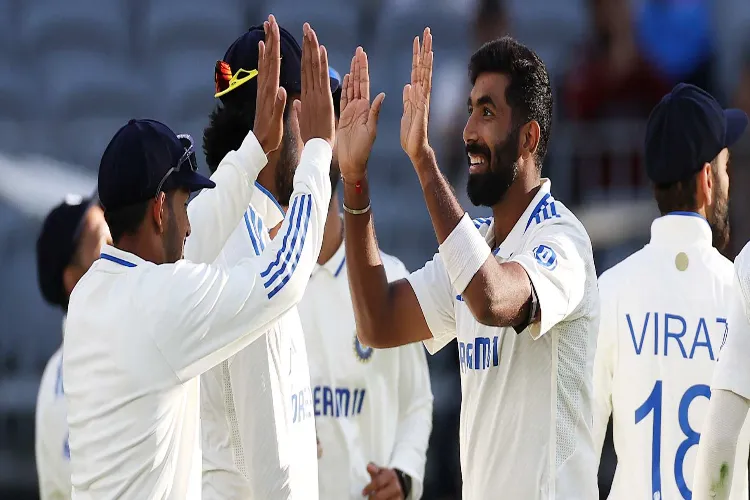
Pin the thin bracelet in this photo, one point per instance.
(357, 212)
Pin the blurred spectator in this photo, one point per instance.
(613, 78)
(740, 172)
(676, 37)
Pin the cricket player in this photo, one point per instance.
(143, 323)
(664, 309)
(257, 424)
(518, 290)
(72, 236)
(373, 407)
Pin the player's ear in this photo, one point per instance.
(529, 139)
(705, 185)
(159, 211)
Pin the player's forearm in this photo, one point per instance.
(444, 209)
(718, 444)
(367, 278)
(215, 213)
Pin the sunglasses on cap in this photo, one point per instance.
(226, 81)
(187, 160)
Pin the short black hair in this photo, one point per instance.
(227, 128)
(337, 102)
(125, 220)
(680, 196)
(529, 93)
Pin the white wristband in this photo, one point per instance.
(463, 252)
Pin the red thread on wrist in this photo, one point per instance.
(358, 187)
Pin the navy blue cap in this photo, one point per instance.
(135, 164)
(243, 54)
(686, 130)
(56, 245)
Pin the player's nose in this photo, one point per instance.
(470, 132)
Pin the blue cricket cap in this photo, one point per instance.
(144, 158)
(686, 130)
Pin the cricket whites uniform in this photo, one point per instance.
(51, 429)
(664, 316)
(371, 405)
(139, 334)
(525, 429)
(257, 425)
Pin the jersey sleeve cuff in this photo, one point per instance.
(251, 158)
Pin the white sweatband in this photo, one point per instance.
(463, 252)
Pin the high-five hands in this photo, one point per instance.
(358, 121)
(417, 100)
(315, 111)
(270, 99)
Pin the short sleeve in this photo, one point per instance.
(435, 294)
(557, 272)
(733, 371)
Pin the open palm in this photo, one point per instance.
(417, 98)
(358, 121)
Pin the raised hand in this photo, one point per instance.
(417, 99)
(315, 111)
(358, 121)
(270, 99)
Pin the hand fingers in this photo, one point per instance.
(357, 74)
(364, 76)
(273, 52)
(391, 491)
(307, 71)
(377, 104)
(314, 59)
(414, 60)
(427, 81)
(344, 94)
(325, 78)
(373, 470)
(407, 93)
(294, 117)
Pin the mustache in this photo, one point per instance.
(474, 148)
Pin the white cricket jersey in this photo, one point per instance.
(664, 316)
(257, 426)
(371, 405)
(51, 433)
(138, 334)
(526, 413)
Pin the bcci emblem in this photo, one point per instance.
(363, 352)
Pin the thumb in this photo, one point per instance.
(377, 105)
(294, 117)
(373, 469)
(279, 104)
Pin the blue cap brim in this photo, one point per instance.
(736, 125)
(335, 79)
(193, 181)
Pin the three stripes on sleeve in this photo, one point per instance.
(280, 270)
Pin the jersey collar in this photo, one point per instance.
(119, 258)
(681, 228)
(513, 241)
(335, 265)
(266, 206)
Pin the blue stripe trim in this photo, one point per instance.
(116, 260)
(535, 213)
(267, 193)
(496, 251)
(305, 200)
(479, 222)
(299, 253)
(252, 234)
(259, 232)
(687, 214)
(338, 269)
(275, 263)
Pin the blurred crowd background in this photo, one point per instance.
(72, 72)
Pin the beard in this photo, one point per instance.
(286, 167)
(719, 221)
(174, 244)
(489, 188)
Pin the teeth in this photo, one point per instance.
(476, 160)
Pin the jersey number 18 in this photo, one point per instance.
(653, 404)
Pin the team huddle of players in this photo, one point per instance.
(254, 343)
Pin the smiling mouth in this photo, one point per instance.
(477, 163)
